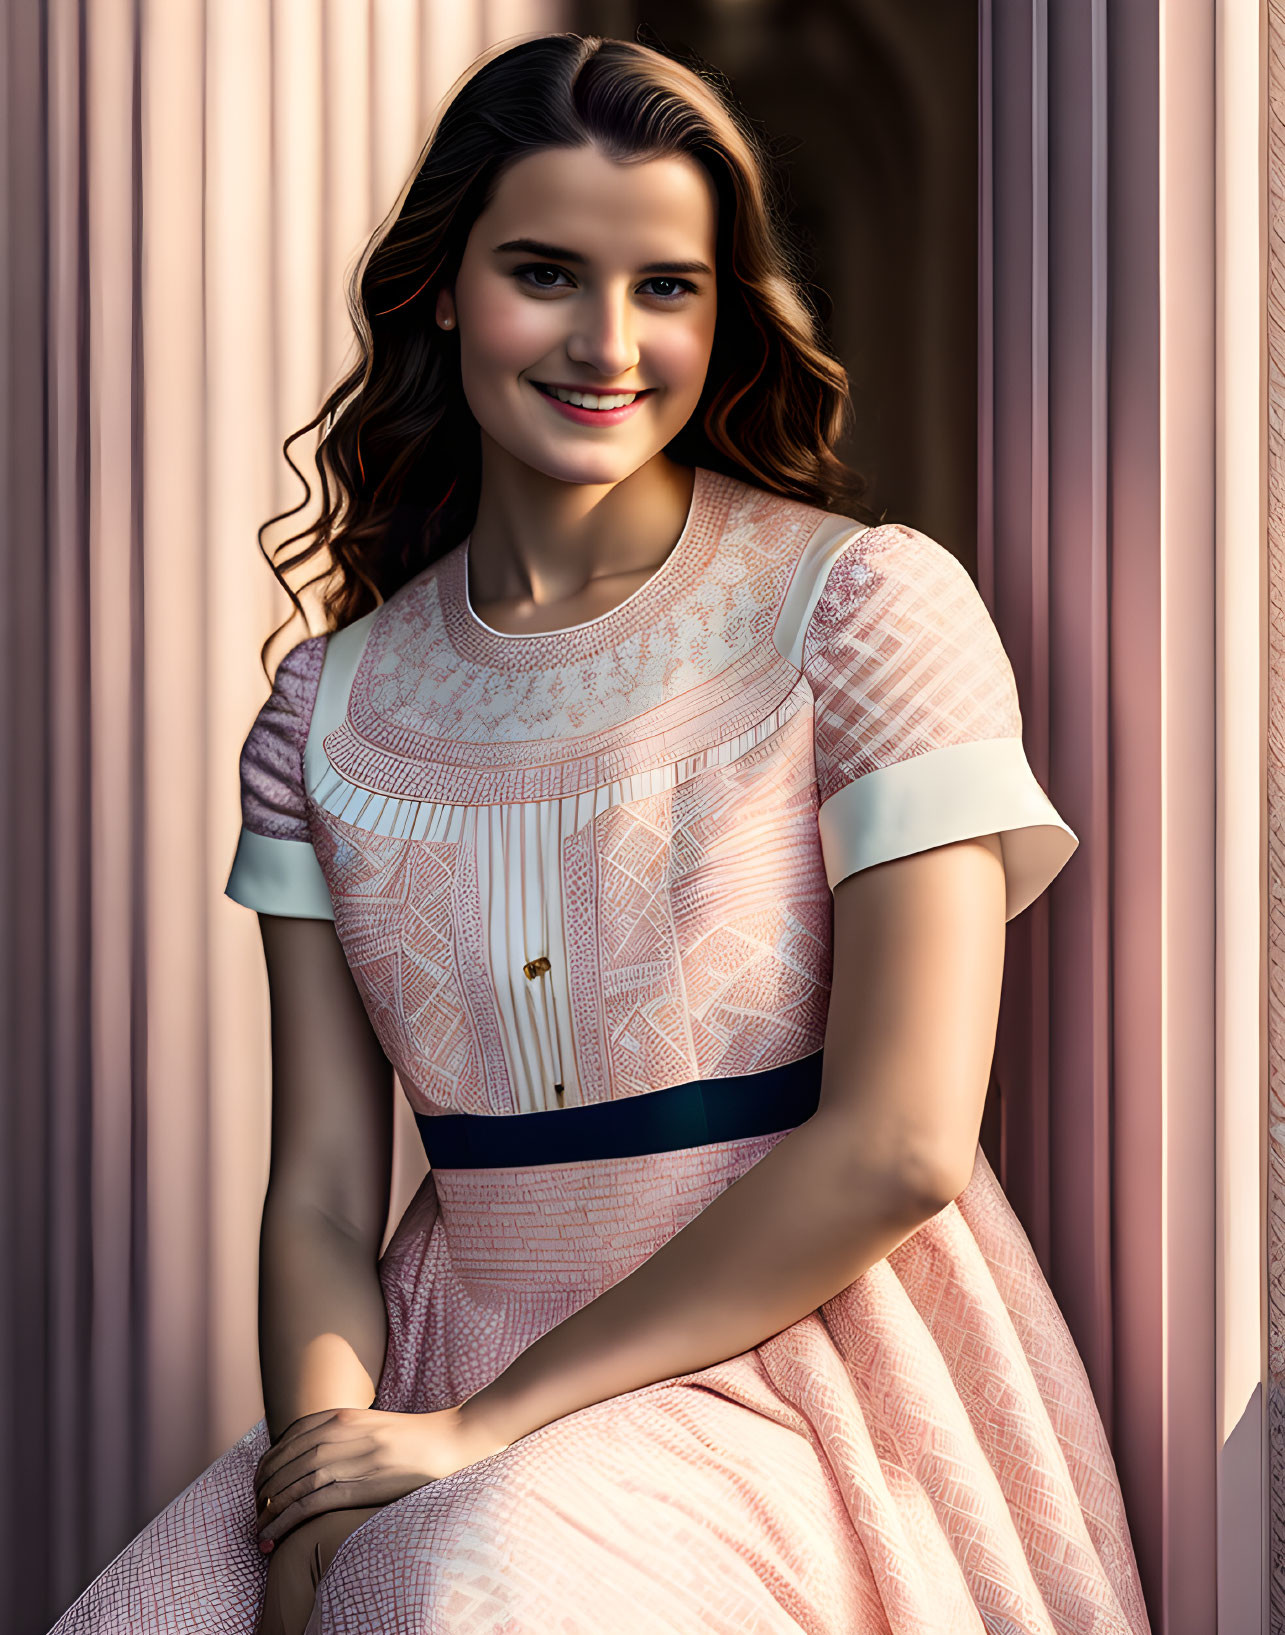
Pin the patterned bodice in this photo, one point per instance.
(594, 862)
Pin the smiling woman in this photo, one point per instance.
(657, 813)
(580, 382)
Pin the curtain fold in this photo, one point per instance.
(1125, 547)
(187, 185)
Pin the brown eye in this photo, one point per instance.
(536, 267)
(681, 285)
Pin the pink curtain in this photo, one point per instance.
(1128, 549)
(1070, 400)
(1275, 756)
(188, 184)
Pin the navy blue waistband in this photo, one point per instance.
(683, 1115)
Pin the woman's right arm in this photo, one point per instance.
(323, 1325)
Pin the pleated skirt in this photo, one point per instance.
(922, 1455)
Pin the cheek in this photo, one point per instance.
(681, 354)
(506, 333)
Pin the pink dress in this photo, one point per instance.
(660, 802)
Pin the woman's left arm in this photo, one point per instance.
(915, 989)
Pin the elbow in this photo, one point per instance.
(896, 1169)
(932, 1184)
(914, 1189)
(917, 1200)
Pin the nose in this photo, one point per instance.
(603, 339)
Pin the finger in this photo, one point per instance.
(292, 1441)
(332, 1466)
(313, 1449)
(272, 1456)
(335, 1495)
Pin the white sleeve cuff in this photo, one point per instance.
(954, 793)
(279, 877)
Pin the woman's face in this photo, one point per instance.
(613, 293)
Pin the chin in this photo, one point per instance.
(609, 466)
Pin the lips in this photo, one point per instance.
(548, 391)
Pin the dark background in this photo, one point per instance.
(870, 107)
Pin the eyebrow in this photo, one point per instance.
(555, 252)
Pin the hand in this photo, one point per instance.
(349, 1458)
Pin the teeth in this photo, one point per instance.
(590, 400)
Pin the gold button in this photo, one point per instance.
(536, 967)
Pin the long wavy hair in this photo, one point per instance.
(400, 456)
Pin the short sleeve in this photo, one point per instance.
(276, 870)
(916, 725)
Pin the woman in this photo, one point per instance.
(603, 783)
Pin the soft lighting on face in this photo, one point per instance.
(597, 278)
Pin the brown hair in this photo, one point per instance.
(400, 443)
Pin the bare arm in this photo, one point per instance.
(918, 962)
(323, 1326)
